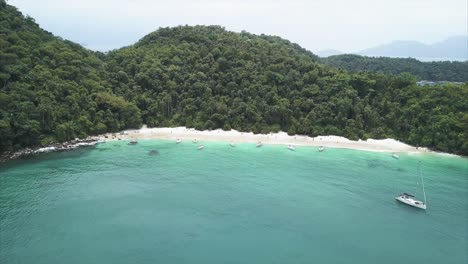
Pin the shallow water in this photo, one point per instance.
(119, 204)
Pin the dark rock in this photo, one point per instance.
(153, 152)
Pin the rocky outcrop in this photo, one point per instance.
(65, 146)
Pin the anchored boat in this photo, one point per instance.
(410, 199)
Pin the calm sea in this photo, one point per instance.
(118, 204)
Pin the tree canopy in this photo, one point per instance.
(206, 77)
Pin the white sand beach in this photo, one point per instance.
(189, 134)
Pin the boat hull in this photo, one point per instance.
(411, 202)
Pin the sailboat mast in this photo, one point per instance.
(422, 182)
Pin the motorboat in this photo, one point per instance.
(178, 140)
(195, 141)
(200, 147)
(232, 144)
(291, 147)
(321, 148)
(133, 142)
(394, 155)
(259, 144)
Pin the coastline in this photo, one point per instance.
(65, 146)
(188, 134)
(280, 138)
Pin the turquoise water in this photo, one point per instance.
(117, 204)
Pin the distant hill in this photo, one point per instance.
(453, 48)
(328, 52)
(455, 71)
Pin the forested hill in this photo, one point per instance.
(52, 89)
(206, 77)
(454, 71)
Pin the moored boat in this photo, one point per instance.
(291, 147)
(409, 199)
(200, 147)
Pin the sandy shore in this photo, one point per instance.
(189, 134)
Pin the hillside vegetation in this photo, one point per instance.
(206, 77)
(52, 89)
(454, 71)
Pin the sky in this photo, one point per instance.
(316, 25)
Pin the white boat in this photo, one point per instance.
(195, 141)
(411, 200)
(200, 147)
(291, 147)
(259, 144)
(178, 140)
(321, 148)
(133, 142)
(232, 144)
(395, 156)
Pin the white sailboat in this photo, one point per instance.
(411, 200)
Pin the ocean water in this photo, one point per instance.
(117, 204)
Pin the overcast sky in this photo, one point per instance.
(346, 25)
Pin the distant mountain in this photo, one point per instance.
(328, 52)
(453, 48)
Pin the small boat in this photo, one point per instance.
(291, 147)
(200, 147)
(178, 140)
(195, 141)
(133, 142)
(410, 199)
(232, 144)
(321, 148)
(259, 144)
(394, 155)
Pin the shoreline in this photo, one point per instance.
(55, 147)
(188, 134)
(280, 138)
